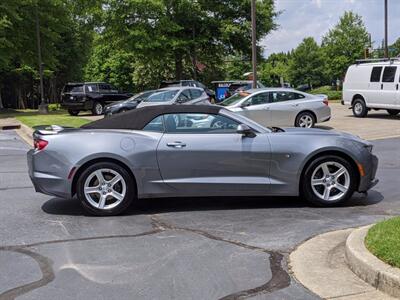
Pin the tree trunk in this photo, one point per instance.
(1, 101)
(178, 65)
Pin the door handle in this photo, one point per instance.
(397, 87)
(176, 144)
(381, 86)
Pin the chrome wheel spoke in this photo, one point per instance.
(92, 189)
(325, 169)
(319, 181)
(102, 201)
(117, 195)
(327, 193)
(100, 177)
(341, 187)
(115, 180)
(339, 172)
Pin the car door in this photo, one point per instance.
(374, 91)
(281, 108)
(257, 108)
(104, 90)
(389, 87)
(204, 156)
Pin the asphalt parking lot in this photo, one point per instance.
(211, 248)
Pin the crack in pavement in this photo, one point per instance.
(279, 280)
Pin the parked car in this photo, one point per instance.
(225, 89)
(148, 155)
(280, 107)
(373, 84)
(125, 105)
(92, 96)
(192, 83)
(176, 95)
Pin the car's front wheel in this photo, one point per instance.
(393, 112)
(105, 189)
(360, 109)
(329, 180)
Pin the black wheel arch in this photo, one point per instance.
(357, 96)
(338, 153)
(80, 170)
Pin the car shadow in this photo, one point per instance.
(324, 127)
(72, 207)
(380, 116)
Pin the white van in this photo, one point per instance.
(373, 85)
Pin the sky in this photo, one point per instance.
(304, 18)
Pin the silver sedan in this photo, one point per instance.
(211, 151)
(280, 107)
(177, 95)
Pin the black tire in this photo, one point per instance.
(73, 112)
(303, 117)
(96, 108)
(306, 189)
(360, 109)
(129, 197)
(393, 112)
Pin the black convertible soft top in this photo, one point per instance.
(138, 118)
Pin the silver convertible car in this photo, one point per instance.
(280, 107)
(195, 150)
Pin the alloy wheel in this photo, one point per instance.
(330, 181)
(306, 121)
(358, 108)
(99, 108)
(105, 189)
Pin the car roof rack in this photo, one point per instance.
(372, 60)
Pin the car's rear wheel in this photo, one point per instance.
(73, 112)
(97, 108)
(393, 112)
(305, 120)
(329, 180)
(360, 110)
(105, 189)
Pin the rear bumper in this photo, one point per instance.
(323, 114)
(45, 182)
(87, 105)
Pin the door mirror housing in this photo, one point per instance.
(245, 130)
(245, 104)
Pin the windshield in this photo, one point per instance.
(234, 99)
(139, 97)
(162, 96)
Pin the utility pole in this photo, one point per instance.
(42, 106)
(386, 29)
(254, 42)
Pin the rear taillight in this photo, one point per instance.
(326, 102)
(39, 144)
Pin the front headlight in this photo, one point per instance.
(369, 147)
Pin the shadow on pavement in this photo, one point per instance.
(72, 207)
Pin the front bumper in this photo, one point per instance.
(369, 181)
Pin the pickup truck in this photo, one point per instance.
(93, 96)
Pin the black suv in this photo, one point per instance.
(91, 96)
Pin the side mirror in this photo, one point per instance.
(245, 104)
(179, 101)
(245, 130)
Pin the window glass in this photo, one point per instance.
(186, 83)
(199, 123)
(376, 74)
(73, 89)
(195, 93)
(388, 74)
(91, 88)
(104, 87)
(262, 98)
(162, 96)
(184, 96)
(156, 125)
(298, 96)
(234, 99)
(282, 96)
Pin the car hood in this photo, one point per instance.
(323, 132)
(114, 104)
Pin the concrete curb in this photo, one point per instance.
(26, 133)
(368, 267)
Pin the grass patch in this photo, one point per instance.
(32, 118)
(383, 240)
(327, 90)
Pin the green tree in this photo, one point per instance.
(344, 43)
(306, 65)
(395, 48)
(275, 67)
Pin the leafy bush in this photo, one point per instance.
(54, 107)
(332, 93)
